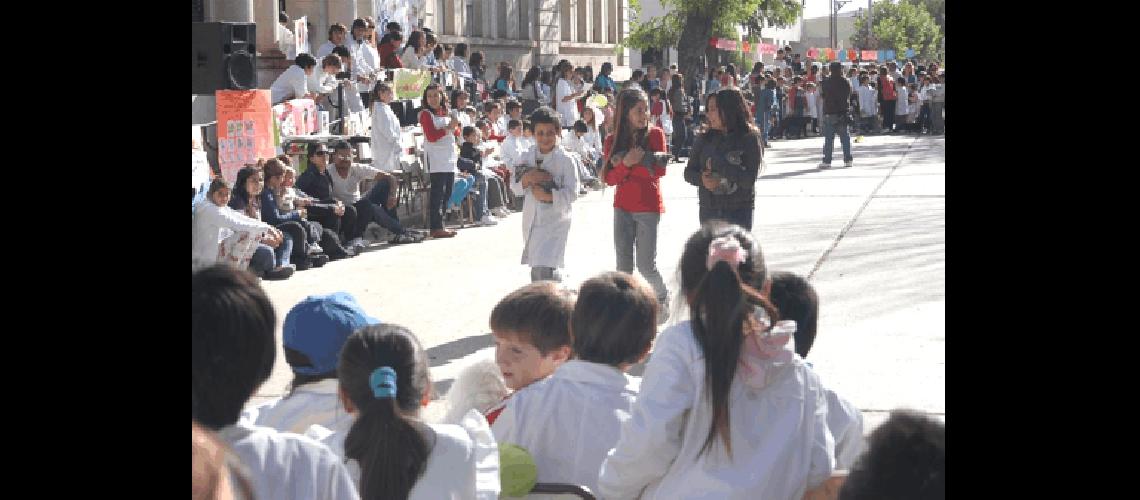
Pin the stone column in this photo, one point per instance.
(573, 27)
(511, 17)
(343, 12)
(265, 15)
(549, 34)
(235, 11)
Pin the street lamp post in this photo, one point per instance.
(835, 6)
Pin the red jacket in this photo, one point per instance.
(431, 133)
(638, 186)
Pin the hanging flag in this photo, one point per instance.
(869, 55)
(830, 54)
(909, 53)
(888, 55)
(851, 55)
(842, 55)
(747, 47)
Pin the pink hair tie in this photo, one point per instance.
(727, 249)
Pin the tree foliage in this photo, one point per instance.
(899, 27)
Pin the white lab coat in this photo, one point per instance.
(568, 109)
(569, 420)
(315, 403)
(902, 106)
(845, 422)
(868, 101)
(324, 50)
(213, 225)
(410, 60)
(386, 131)
(546, 226)
(286, 466)
(292, 84)
(463, 464)
(512, 150)
(780, 442)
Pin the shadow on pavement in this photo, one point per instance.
(445, 353)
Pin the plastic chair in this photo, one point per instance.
(564, 489)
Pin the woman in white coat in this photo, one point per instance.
(726, 408)
(386, 130)
(550, 187)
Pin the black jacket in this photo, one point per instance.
(736, 157)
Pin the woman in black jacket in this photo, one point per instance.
(725, 161)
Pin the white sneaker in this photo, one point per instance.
(846, 164)
(315, 249)
(502, 212)
(824, 165)
(487, 220)
(357, 243)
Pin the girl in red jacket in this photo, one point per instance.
(635, 159)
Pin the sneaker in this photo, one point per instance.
(304, 265)
(357, 244)
(847, 164)
(824, 166)
(487, 220)
(315, 248)
(319, 260)
(279, 273)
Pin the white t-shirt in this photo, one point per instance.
(292, 84)
(568, 109)
(311, 404)
(286, 466)
(347, 189)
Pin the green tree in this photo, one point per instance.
(900, 26)
(690, 23)
(937, 10)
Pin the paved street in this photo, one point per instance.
(871, 238)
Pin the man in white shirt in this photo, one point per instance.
(232, 353)
(346, 177)
(294, 82)
(337, 35)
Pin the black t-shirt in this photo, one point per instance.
(836, 93)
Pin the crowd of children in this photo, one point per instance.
(727, 406)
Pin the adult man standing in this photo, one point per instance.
(836, 91)
(330, 212)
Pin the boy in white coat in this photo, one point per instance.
(550, 187)
(386, 130)
(570, 420)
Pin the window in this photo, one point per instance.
(564, 24)
(599, 5)
(501, 18)
(473, 20)
(524, 26)
(583, 36)
(616, 18)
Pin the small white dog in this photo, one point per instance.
(478, 386)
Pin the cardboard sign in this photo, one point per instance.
(245, 129)
(410, 83)
(296, 117)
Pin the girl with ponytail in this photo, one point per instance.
(389, 451)
(726, 407)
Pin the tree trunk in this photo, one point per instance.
(692, 44)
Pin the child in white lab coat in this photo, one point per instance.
(797, 301)
(314, 332)
(389, 451)
(902, 108)
(868, 105)
(814, 103)
(550, 186)
(575, 143)
(726, 409)
(232, 354)
(571, 419)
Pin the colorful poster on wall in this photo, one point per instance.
(245, 130)
(301, 35)
(410, 83)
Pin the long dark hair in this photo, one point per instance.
(531, 75)
(624, 134)
(442, 99)
(721, 301)
(240, 197)
(734, 113)
(415, 41)
(385, 439)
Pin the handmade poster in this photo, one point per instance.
(245, 120)
(410, 83)
(301, 35)
(200, 167)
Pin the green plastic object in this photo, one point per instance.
(517, 472)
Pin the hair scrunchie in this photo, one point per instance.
(727, 249)
(383, 383)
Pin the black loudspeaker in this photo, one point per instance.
(224, 57)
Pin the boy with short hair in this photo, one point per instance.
(868, 105)
(514, 112)
(532, 337)
(494, 112)
(575, 144)
(796, 300)
(550, 185)
(570, 420)
(313, 333)
(474, 166)
(232, 354)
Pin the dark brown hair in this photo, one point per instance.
(539, 313)
(624, 134)
(614, 320)
(721, 302)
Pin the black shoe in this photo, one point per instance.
(319, 259)
(305, 264)
(279, 273)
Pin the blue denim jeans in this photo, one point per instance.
(265, 258)
(459, 191)
(765, 119)
(834, 124)
(639, 229)
(381, 214)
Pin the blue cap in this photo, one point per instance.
(319, 326)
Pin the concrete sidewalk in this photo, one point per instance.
(871, 238)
